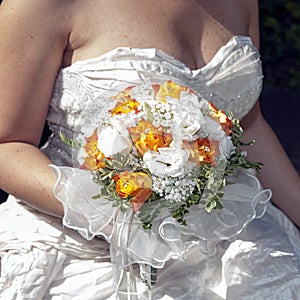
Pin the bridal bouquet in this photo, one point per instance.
(162, 148)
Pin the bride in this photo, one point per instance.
(57, 59)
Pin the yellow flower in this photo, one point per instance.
(136, 185)
(202, 150)
(221, 117)
(125, 107)
(169, 89)
(94, 159)
(147, 137)
(125, 103)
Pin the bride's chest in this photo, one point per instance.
(186, 30)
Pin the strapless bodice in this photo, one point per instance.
(232, 80)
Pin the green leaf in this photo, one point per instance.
(97, 196)
(148, 113)
(150, 211)
(108, 163)
(70, 142)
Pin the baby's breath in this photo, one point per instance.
(163, 114)
(173, 189)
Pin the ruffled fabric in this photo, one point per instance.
(243, 200)
(262, 259)
(23, 228)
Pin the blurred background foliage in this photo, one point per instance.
(280, 42)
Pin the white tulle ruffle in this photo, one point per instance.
(243, 201)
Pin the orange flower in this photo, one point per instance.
(136, 185)
(95, 157)
(124, 95)
(202, 150)
(221, 117)
(125, 107)
(147, 137)
(125, 103)
(169, 88)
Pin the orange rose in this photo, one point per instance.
(202, 150)
(169, 88)
(125, 107)
(136, 185)
(125, 103)
(124, 95)
(94, 159)
(147, 137)
(220, 117)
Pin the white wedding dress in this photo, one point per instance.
(42, 259)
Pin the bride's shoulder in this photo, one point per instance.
(36, 17)
(241, 7)
(35, 11)
(35, 5)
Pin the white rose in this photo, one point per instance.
(190, 102)
(214, 129)
(188, 116)
(111, 142)
(187, 124)
(167, 162)
(226, 147)
(121, 122)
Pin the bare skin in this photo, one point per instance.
(38, 37)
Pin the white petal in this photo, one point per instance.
(110, 142)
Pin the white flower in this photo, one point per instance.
(188, 118)
(190, 102)
(226, 147)
(111, 142)
(186, 125)
(121, 122)
(171, 162)
(214, 129)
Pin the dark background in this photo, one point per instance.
(280, 51)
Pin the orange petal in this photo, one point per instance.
(169, 89)
(202, 150)
(94, 158)
(124, 95)
(147, 137)
(140, 198)
(125, 107)
(221, 117)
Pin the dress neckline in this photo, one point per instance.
(149, 51)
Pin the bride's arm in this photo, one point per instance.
(278, 173)
(33, 36)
